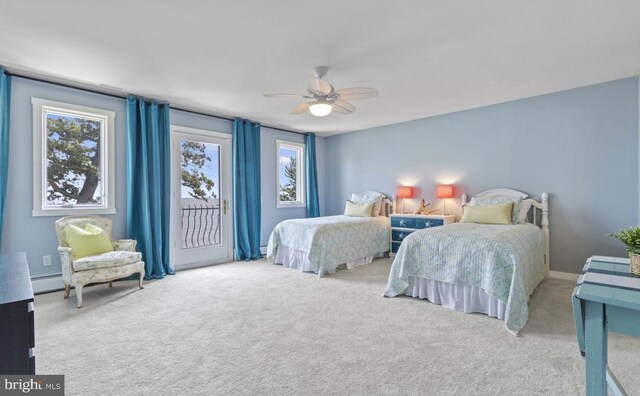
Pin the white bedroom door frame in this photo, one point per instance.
(203, 253)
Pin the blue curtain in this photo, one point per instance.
(313, 205)
(246, 189)
(5, 97)
(148, 183)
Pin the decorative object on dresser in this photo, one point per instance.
(631, 239)
(16, 316)
(423, 209)
(444, 192)
(403, 193)
(605, 299)
(404, 224)
(120, 262)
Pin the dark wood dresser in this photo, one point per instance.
(17, 344)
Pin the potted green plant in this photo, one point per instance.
(631, 239)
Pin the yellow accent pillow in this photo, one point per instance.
(359, 209)
(88, 241)
(490, 214)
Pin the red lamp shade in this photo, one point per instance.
(444, 191)
(404, 192)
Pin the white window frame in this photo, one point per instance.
(40, 109)
(300, 175)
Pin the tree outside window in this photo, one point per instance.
(73, 160)
(199, 168)
(73, 165)
(290, 174)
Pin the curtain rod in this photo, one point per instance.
(124, 96)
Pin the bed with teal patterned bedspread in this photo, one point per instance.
(332, 240)
(506, 261)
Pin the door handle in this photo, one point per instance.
(224, 206)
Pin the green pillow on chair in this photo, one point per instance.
(89, 241)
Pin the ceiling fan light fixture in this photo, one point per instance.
(320, 109)
(325, 99)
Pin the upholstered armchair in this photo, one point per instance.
(123, 261)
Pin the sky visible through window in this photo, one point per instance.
(285, 159)
(210, 169)
(72, 120)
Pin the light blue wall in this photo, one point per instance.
(36, 235)
(270, 214)
(580, 146)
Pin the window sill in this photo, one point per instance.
(72, 212)
(291, 205)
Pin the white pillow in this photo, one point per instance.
(372, 197)
(524, 210)
(498, 200)
(354, 209)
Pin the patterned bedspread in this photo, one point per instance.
(506, 261)
(332, 240)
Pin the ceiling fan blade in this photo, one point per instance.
(319, 85)
(356, 93)
(342, 107)
(301, 109)
(289, 96)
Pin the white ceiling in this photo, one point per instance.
(424, 57)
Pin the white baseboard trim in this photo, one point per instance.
(263, 250)
(47, 284)
(564, 275)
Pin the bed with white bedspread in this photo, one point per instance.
(491, 269)
(322, 244)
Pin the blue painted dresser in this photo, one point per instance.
(404, 224)
(606, 298)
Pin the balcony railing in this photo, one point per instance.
(200, 225)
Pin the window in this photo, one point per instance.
(290, 174)
(73, 159)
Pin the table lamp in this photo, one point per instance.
(444, 191)
(403, 193)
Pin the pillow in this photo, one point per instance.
(488, 214)
(89, 241)
(524, 210)
(500, 199)
(369, 197)
(355, 209)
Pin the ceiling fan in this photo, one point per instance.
(325, 98)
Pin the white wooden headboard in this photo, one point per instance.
(387, 205)
(542, 205)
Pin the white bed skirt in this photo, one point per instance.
(462, 298)
(297, 259)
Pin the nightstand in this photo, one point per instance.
(404, 224)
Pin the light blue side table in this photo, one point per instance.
(606, 298)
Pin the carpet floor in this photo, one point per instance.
(258, 328)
